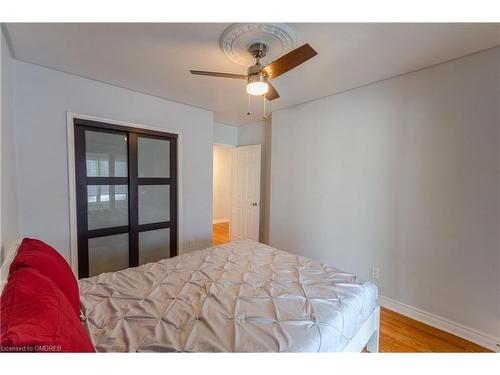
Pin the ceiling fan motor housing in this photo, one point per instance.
(258, 50)
(257, 78)
(255, 69)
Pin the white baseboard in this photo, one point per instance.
(219, 221)
(443, 324)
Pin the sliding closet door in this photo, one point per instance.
(156, 197)
(126, 196)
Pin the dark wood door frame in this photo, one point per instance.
(133, 182)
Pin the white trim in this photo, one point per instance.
(73, 243)
(367, 335)
(10, 253)
(443, 324)
(72, 179)
(220, 221)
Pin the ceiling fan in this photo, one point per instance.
(258, 76)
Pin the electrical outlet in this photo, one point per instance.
(375, 273)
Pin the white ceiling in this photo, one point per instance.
(156, 58)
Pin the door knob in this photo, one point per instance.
(254, 204)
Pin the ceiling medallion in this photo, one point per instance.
(237, 38)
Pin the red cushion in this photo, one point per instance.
(36, 316)
(45, 259)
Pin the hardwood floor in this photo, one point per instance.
(404, 335)
(397, 332)
(220, 233)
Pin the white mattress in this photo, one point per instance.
(239, 297)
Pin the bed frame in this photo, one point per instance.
(366, 337)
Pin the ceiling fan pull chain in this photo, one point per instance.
(249, 113)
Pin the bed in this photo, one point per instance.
(238, 297)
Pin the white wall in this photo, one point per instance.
(9, 219)
(225, 134)
(402, 174)
(253, 134)
(42, 97)
(222, 183)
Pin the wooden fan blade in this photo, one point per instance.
(272, 93)
(289, 61)
(217, 74)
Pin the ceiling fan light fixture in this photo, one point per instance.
(257, 85)
(257, 88)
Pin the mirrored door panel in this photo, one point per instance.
(126, 182)
(153, 157)
(154, 203)
(154, 245)
(107, 206)
(106, 154)
(108, 254)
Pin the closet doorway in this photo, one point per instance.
(126, 196)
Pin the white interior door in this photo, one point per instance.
(245, 201)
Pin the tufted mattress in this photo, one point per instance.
(239, 297)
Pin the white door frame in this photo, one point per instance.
(72, 178)
(230, 146)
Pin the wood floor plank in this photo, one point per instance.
(220, 233)
(398, 333)
(403, 334)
